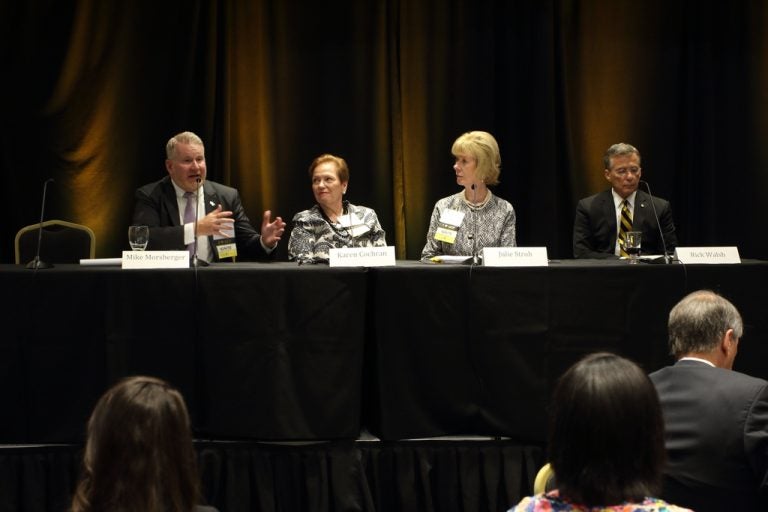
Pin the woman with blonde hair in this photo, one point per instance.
(464, 223)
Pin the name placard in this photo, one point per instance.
(362, 257)
(515, 257)
(708, 254)
(155, 259)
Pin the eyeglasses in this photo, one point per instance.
(622, 171)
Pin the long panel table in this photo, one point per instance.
(275, 351)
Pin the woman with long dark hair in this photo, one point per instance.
(139, 453)
(606, 440)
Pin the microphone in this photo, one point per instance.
(667, 257)
(36, 263)
(475, 258)
(196, 262)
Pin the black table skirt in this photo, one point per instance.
(280, 352)
(444, 476)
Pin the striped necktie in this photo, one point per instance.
(625, 225)
(189, 216)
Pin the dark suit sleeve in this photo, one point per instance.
(668, 226)
(149, 211)
(756, 440)
(583, 234)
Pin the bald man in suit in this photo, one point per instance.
(715, 419)
(596, 226)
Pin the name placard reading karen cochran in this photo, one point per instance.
(690, 255)
(155, 259)
(515, 257)
(362, 257)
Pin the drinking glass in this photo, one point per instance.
(632, 245)
(138, 237)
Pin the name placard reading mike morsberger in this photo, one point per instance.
(448, 225)
(155, 259)
(224, 244)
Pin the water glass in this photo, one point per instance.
(138, 237)
(632, 245)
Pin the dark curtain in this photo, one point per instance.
(93, 90)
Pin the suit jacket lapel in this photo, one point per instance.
(609, 210)
(642, 211)
(211, 197)
(170, 203)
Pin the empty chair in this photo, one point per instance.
(62, 242)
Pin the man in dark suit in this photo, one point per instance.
(596, 227)
(167, 207)
(715, 419)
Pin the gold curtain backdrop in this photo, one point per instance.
(93, 91)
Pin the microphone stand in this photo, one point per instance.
(475, 257)
(196, 262)
(667, 257)
(36, 263)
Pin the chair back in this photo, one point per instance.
(544, 479)
(62, 242)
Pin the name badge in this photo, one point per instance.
(448, 226)
(155, 259)
(226, 249)
(224, 243)
(708, 255)
(362, 257)
(354, 224)
(515, 257)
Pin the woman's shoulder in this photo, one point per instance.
(452, 201)
(307, 215)
(656, 505)
(362, 210)
(502, 204)
(551, 502)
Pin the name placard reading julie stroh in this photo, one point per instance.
(515, 257)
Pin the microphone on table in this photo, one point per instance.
(36, 263)
(196, 262)
(667, 257)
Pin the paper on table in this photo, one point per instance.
(101, 262)
(449, 258)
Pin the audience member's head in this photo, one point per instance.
(139, 453)
(705, 325)
(606, 432)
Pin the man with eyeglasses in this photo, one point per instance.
(597, 229)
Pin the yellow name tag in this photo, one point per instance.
(446, 234)
(226, 250)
